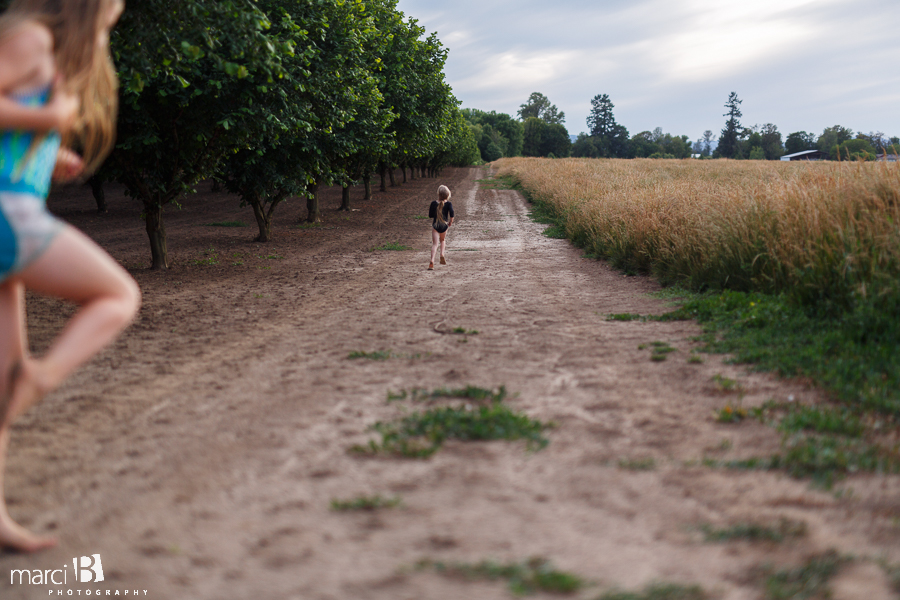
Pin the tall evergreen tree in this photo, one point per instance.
(728, 141)
(610, 138)
(601, 120)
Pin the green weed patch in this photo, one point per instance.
(637, 464)
(365, 503)
(807, 581)
(498, 183)
(391, 246)
(535, 575)
(211, 258)
(792, 417)
(625, 317)
(754, 532)
(470, 392)
(858, 362)
(660, 591)
(421, 434)
(376, 355)
(464, 331)
(731, 414)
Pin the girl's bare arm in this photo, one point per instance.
(27, 64)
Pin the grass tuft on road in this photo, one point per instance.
(420, 435)
(532, 576)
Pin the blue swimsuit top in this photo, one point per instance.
(26, 158)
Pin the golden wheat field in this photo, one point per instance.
(820, 229)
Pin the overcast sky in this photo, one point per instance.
(800, 64)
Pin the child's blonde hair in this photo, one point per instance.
(87, 69)
(443, 196)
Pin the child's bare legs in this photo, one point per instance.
(12, 352)
(443, 243)
(435, 241)
(76, 269)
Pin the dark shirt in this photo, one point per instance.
(448, 212)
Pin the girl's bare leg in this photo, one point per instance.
(12, 353)
(443, 243)
(75, 269)
(435, 241)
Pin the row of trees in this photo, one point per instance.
(275, 98)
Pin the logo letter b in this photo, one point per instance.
(91, 570)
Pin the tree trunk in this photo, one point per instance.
(381, 171)
(156, 231)
(367, 181)
(412, 172)
(312, 203)
(99, 196)
(391, 174)
(403, 170)
(345, 198)
(263, 221)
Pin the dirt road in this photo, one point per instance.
(199, 456)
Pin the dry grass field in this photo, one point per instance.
(821, 231)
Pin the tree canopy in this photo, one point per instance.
(539, 106)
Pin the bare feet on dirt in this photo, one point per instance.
(16, 538)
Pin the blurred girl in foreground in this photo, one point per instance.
(58, 89)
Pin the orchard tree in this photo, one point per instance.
(184, 105)
(538, 106)
(729, 140)
(412, 82)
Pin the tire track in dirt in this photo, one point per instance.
(202, 461)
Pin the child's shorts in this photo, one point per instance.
(26, 230)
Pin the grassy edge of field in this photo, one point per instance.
(767, 332)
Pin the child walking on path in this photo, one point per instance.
(57, 89)
(441, 213)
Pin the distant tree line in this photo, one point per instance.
(539, 131)
(764, 142)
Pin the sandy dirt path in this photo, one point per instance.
(199, 456)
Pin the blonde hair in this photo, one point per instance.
(443, 196)
(86, 68)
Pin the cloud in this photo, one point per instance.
(520, 70)
(801, 64)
